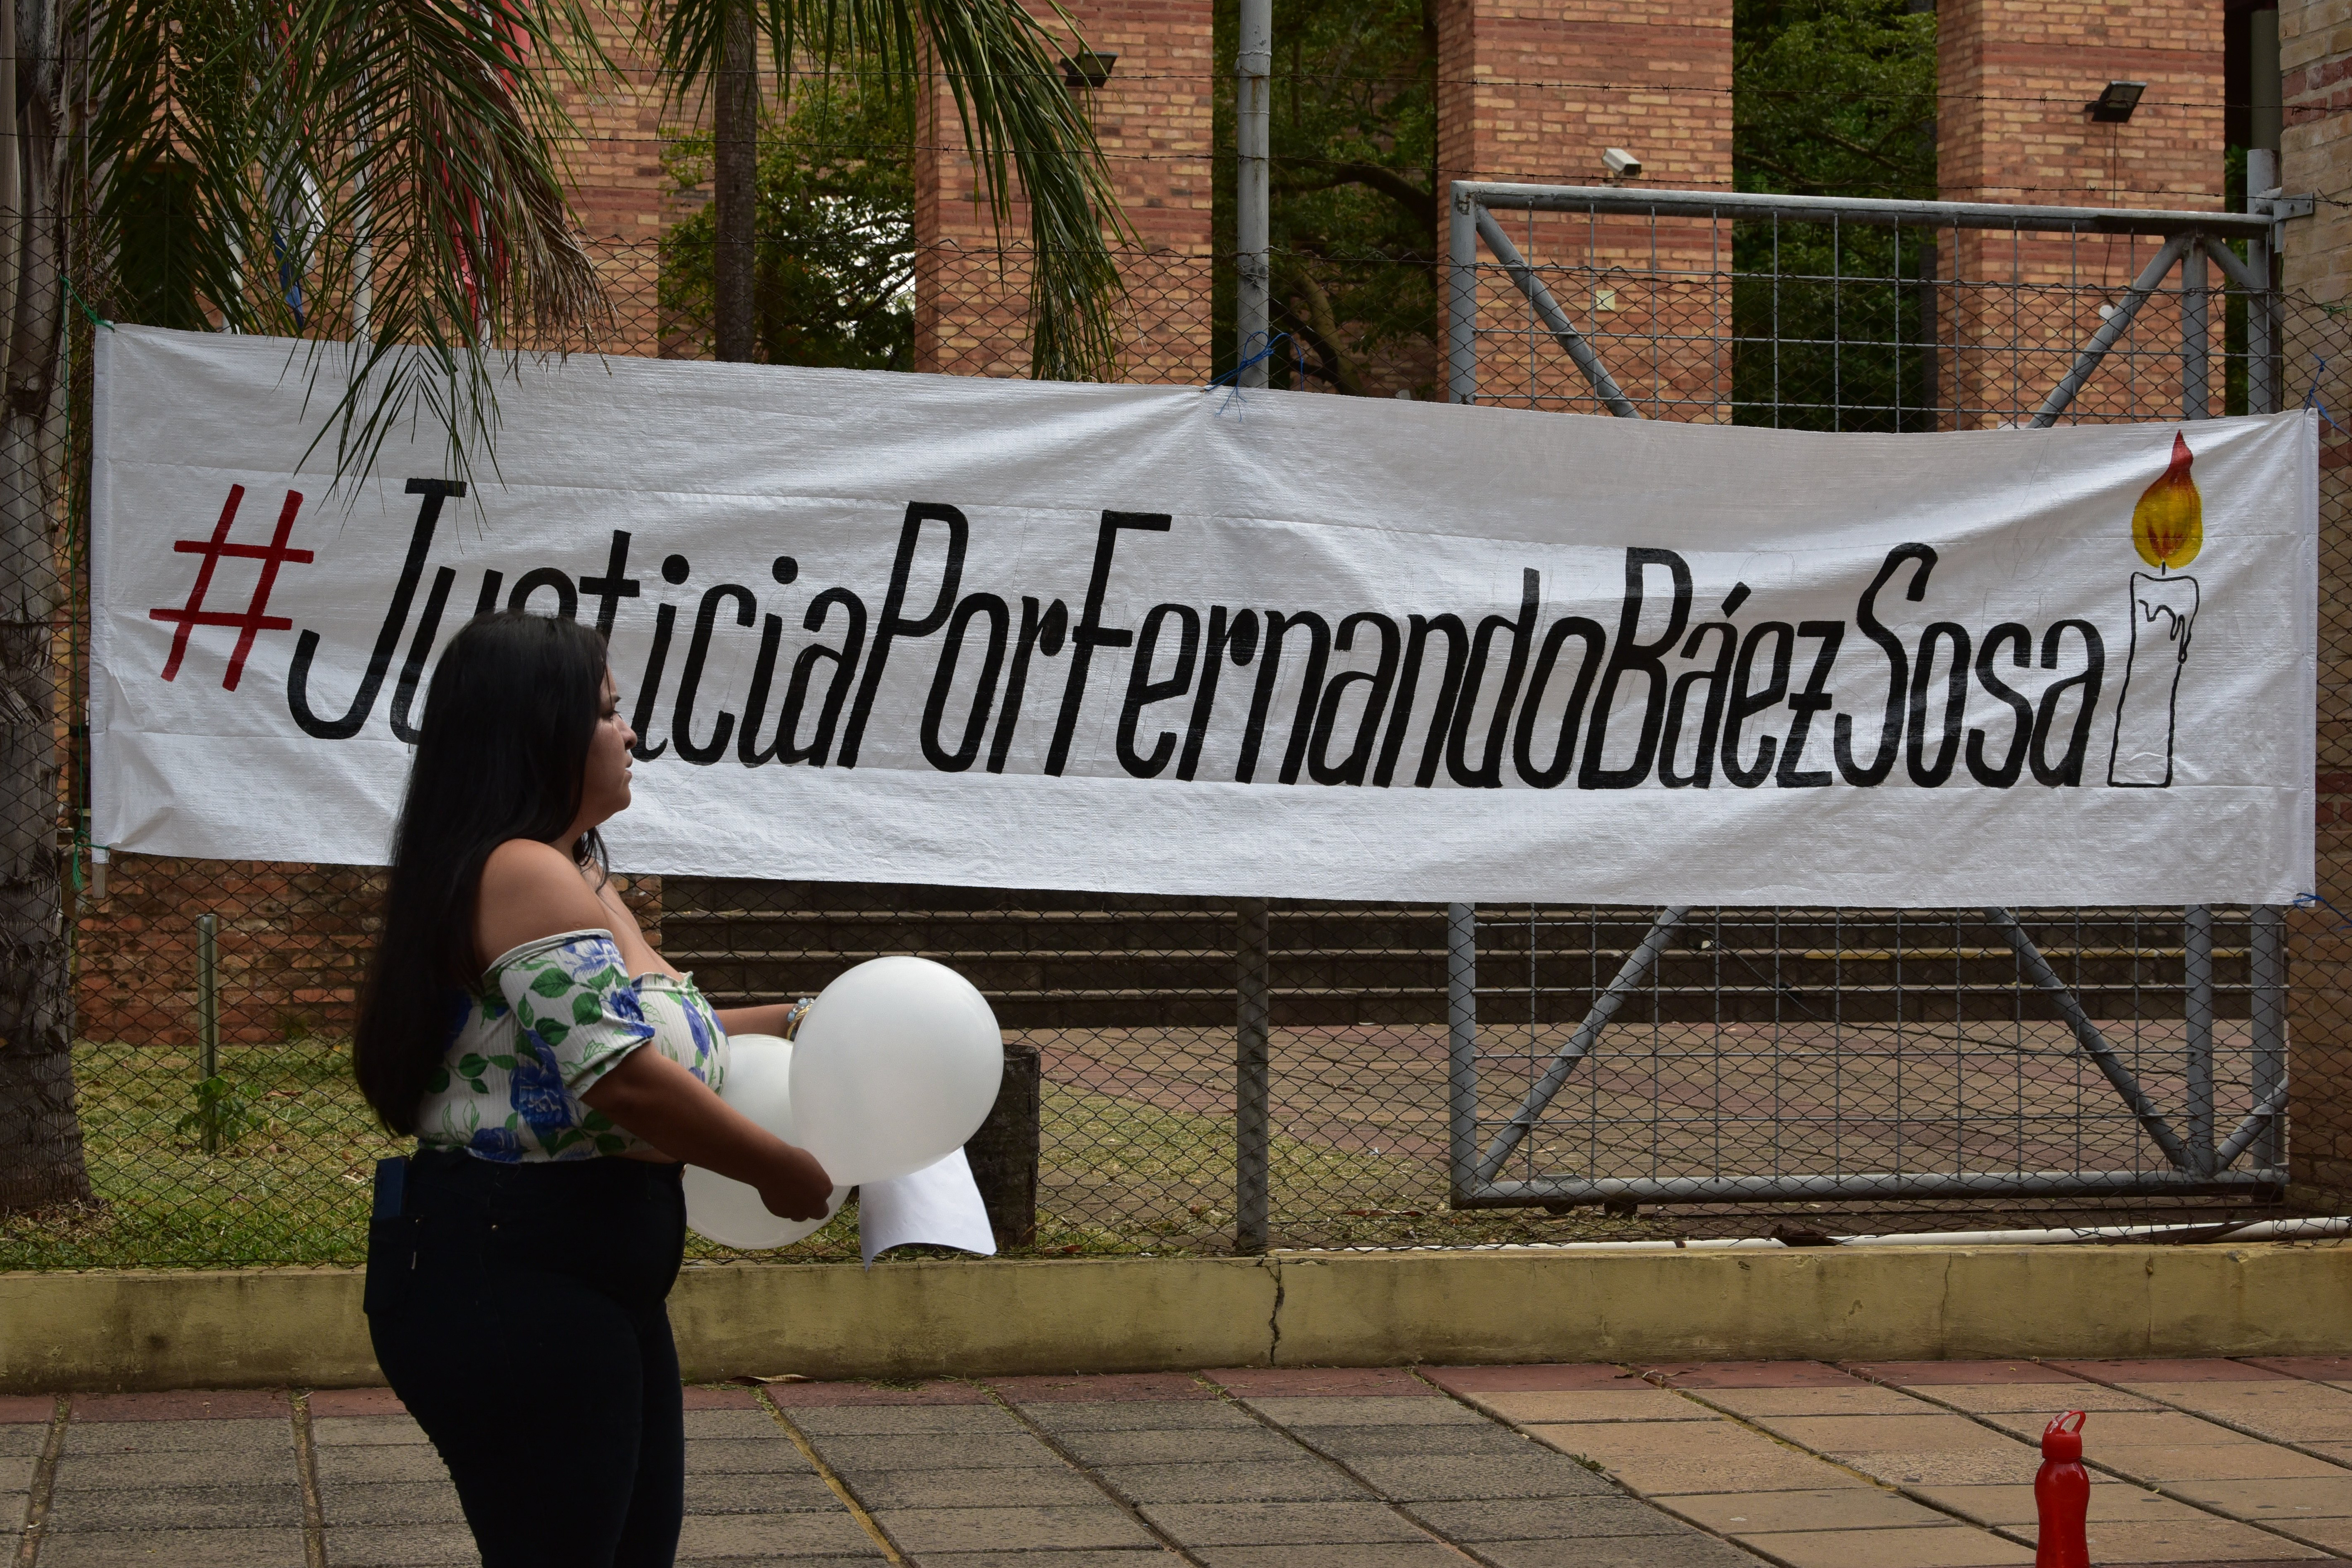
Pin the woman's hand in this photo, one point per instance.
(799, 1189)
(661, 1102)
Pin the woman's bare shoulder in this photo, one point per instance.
(530, 890)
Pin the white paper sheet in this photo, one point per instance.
(938, 1205)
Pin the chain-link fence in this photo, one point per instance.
(1221, 1073)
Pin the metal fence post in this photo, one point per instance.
(2196, 1010)
(2262, 306)
(2195, 341)
(1253, 964)
(2269, 1010)
(207, 1027)
(1461, 300)
(1462, 1048)
(1253, 206)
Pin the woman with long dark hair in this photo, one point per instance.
(555, 1071)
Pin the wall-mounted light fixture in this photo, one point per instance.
(1088, 70)
(2116, 103)
(1620, 163)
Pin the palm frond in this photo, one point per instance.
(1027, 136)
(316, 147)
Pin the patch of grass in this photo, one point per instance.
(290, 1182)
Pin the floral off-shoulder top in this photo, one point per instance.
(549, 1019)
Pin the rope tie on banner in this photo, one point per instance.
(75, 294)
(2311, 399)
(2314, 902)
(1230, 380)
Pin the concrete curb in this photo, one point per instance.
(261, 1326)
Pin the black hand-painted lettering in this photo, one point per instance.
(689, 681)
(844, 660)
(2067, 771)
(1571, 718)
(488, 601)
(1814, 699)
(1041, 632)
(1486, 772)
(748, 748)
(387, 638)
(1630, 656)
(649, 685)
(2012, 762)
(1234, 638)
(613, 586)
(567, 598)
(420, 649)
(1924, 774)
(1376, 681)
(1408, 690)
(957, 758)
(1142, 691)
(1090, 634)
(1746, 701)
(1898, 689)
(1717, 678)
(1311, 688)
(891, 625)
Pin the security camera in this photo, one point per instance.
(1621, 163)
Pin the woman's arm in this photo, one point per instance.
(768, 1020)
(669, 1107)
(531, 891)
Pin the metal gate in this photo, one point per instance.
(1621, 1057)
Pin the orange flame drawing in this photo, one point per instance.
(2168, 523)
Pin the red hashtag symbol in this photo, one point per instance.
(194, 615)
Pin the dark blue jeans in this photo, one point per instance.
(517, 1311)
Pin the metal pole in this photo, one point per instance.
(2194, 342)
(2269, 979)
(1252, 92)
(1461, 300)
(207, 1026)
(2197, 1012)
(2262, 306)
(1253, 964)
(1462, 1048)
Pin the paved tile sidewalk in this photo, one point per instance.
(1715, 1465)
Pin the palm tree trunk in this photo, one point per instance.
(40, 1136)
(734, 192)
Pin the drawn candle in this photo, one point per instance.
(2167, 530)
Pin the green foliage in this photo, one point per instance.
(1026, 133)
(1833, 98)
(834, 255)
(254, 163)
(1354, 220)
(220, 1116)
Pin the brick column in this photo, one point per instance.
(1154, 119)
(2014, 76)
(617, 187)
(1534, 90)
(2316, 150)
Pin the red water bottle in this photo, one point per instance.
(2062, 1496)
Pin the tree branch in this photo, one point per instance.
(1322, 176)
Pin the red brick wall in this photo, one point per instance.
(2316, 60)
(1154, 121)
(619, 191)
(2014, 76)
(1534, 90)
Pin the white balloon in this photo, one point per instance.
(759, 1084)
(895, 1067)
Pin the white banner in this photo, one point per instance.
(916, 628)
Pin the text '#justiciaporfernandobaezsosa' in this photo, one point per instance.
(1659, 694)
